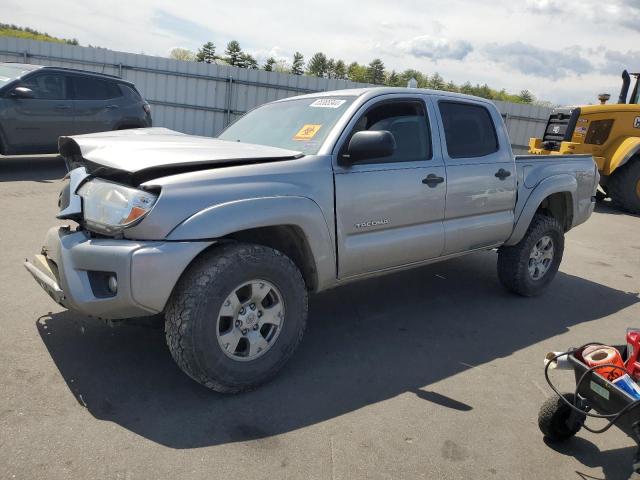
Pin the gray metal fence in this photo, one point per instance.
(202, 99)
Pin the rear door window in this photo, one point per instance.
(468, 129)
(46, 86)
(86, 88)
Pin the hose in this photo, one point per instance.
(613, 417)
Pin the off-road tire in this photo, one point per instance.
(557, 421)
(192, 313)
(513, 260)
(624, 186)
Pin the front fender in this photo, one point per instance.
(549, 186)
(224, 219)
(627, 149)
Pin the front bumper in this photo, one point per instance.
(72, 265)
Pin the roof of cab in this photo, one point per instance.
(370, 92)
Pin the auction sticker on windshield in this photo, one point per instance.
(307, 132)
(327, 103)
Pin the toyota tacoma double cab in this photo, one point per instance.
(227, 237)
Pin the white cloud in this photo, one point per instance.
(435, 48)
(539, 62)
(546, 7)
(615, 61)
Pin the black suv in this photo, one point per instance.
(38, 104)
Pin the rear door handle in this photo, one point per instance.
(62, 107)
(111, 107)
(432, 180)
(502, 173)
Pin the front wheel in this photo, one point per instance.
(624, 186)
(528, 267)
(236, 316)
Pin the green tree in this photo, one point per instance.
(331, 67)
(467, 88)
(269, 64)
(297, 67)
(393, 79)
(357, 73)
(484, 91)
(282, 66)
(409, 74)
(247, 61)
(207, 53)
(317, 66)
(436, 82)
(182, 54)
(340, 70)
(233, 54)
(526, 96)
(451, 87)
(375, 72)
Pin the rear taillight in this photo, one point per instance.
(147, 108)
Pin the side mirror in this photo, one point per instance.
(369, 144)
(22, 92)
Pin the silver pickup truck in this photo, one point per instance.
(226, 237)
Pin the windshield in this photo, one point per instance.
(9, 73)
(300, 125)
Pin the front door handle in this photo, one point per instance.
(111, 107)
(63, 107)
(502, 174)
(432, 180)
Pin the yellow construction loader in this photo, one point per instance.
(609, 132)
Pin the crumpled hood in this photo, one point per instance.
(137, 155)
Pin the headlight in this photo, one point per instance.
(110, 208)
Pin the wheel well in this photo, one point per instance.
(288, 239)
(559, 206)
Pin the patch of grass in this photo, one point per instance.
(31, 34)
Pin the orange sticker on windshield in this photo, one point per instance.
(307, 132)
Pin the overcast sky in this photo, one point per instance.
(564, 51)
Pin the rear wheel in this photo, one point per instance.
(624, 186)
(236, 316)
(557, 420)
(528, 267)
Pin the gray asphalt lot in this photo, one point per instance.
(432, 373)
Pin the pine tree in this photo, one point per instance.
(331, 68)
(269, 64)
(207, 53)
(340, 70)
(233, 54)
(297, 67)
(375, 72)
(247, 61)
(526, 96)
(317, 65)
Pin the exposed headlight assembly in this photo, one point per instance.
(110, 207)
